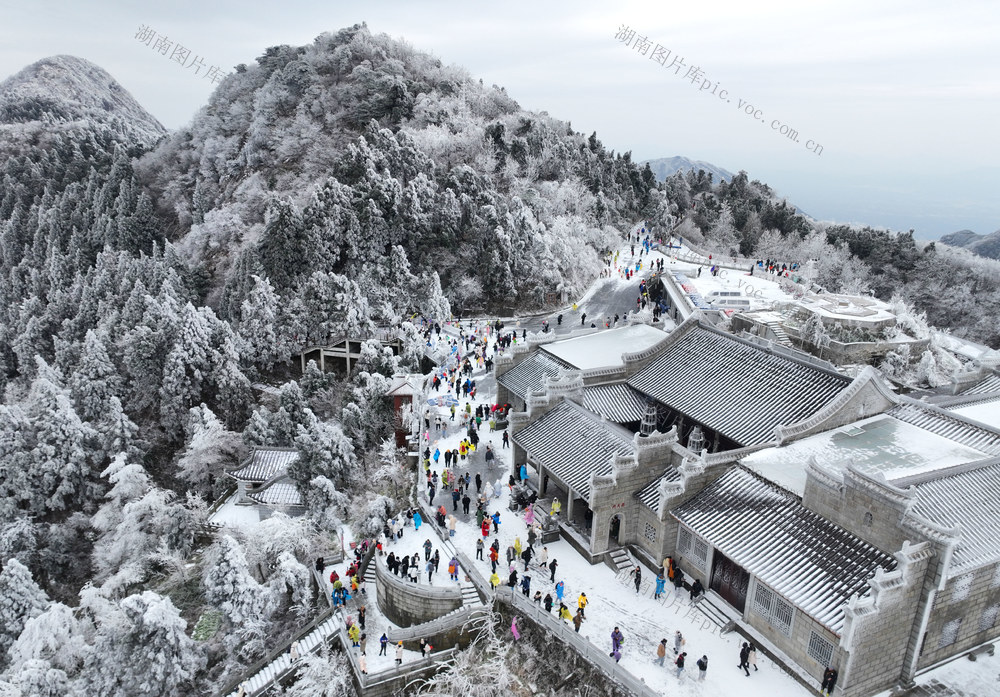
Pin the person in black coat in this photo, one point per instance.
(696, 589)
(512, 579)
(744, 658)
(829, 680)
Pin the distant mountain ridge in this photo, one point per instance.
(981, 245)
(665, 166)
(67, 89)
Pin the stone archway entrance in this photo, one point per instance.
(614, 529)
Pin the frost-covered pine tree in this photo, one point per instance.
(142, 648)
(95, 380)
(324, 451)
(209, 447)
(257, 326)
(187, 369)
(62, 469)
(54, 636)
(20, 600)
(231, 587)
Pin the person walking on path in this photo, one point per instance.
(560, 589)
(564, 613)
(479, 549)
(399, 654)
(494, 580)
(660, 585)
(578, 620)
(661, 652)
(617, 639)
(702, 664)
(752, 656)
(506, 440)
(637, 577)
(383, 643)
(679, 642)
(552, 569)
(680, 664)
(744, 658)
(581, 603)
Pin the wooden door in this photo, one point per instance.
(730, 581)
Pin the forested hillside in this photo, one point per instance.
(148, 279)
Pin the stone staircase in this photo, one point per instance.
(284, 663)
(621, 561)
(717, 610)
(780, 335)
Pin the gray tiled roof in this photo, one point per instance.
(948, 425)
(968, 498)
(814, 564)
(280, 493)
(265, 463)
(615, 402)
(735, 387)
(530, 373)
(572, 444)
(987, 386)
(648, 495)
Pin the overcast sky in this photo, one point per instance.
(901, 99)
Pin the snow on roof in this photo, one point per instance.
(264, 464)
(281, 493)
(530, 373)
(949, 425)
(988, 386)
(604, 349)
(969, 498)
(572, 444)
(856, 308)
(649, 494)
(402, 385)
(986, 412)
(879, 444)
(736, 387)
(616, 402)
(814, 564)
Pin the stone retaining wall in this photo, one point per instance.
(406, 603)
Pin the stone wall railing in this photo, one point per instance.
(590, 653)
(406, 603)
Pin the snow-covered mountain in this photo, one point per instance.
(70, 90)
(983, 245)
(665, 166)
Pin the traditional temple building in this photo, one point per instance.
(835, 522)
(262, 480)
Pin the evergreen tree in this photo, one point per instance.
(229, 585)
(209, 447)
(186, 371)
(143, 649)
(62, 467)
(20, 600)
(257, 327)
